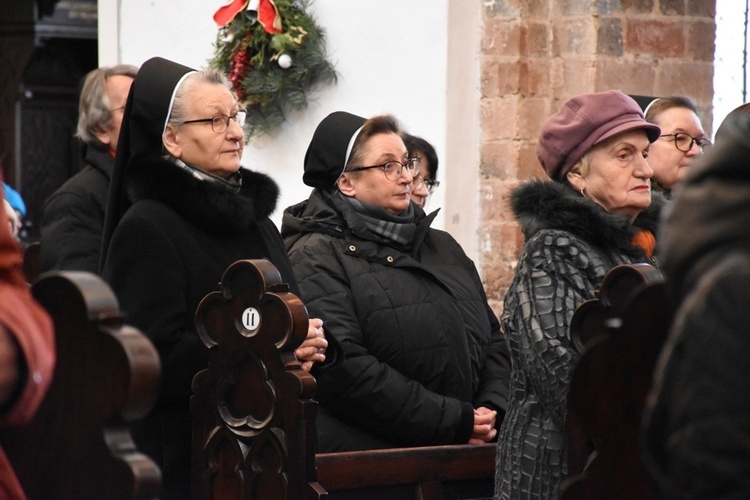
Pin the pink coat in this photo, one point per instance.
(33, 331)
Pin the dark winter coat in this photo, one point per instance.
(571, 243)
(168, 251)
(697, 438)
(71, 230)
(421, 346)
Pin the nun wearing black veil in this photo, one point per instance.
(181, 210)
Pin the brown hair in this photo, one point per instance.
(660, 105)
(381, 124)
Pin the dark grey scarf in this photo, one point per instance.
(233, 183)
(398, 228)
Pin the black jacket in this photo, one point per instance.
(167, 252)
(571, 243)
(71, 230)
(421, 345)
(697, 439)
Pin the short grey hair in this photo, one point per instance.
(94, 108)
(179, 111)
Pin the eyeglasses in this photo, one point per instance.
(419, 182)
(220, 123)
(684, 142)
(392, 169)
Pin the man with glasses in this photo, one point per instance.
(682, 140)
(71, 231)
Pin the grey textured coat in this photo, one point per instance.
(571, 243)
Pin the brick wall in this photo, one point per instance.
(537, 53)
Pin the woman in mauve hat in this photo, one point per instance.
(595, 213)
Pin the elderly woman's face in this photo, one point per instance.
(371, 186)
(196, 143)
(618, 177)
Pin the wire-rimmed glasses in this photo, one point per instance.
(220, 123)
(392, 169)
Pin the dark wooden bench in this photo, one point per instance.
(620, 335)
(432, 472)
(106, 375)
(254, 414)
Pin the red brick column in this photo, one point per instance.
(538, 53)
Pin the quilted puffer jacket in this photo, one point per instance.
(421, 346)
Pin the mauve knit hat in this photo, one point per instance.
(584, 121)
(330, 148)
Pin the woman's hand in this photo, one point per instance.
(314, 347)
(484, 426)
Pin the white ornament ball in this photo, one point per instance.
(285, 61)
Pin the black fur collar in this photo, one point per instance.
(542, 204)
(210, 208)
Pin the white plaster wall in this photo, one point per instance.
(392, 56)
(728, 59)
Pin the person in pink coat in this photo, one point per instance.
(27, 350)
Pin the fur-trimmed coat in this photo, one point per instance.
(168, 251)
(571, 243)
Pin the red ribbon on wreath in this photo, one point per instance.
(268, 14)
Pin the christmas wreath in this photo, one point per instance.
(274, 55)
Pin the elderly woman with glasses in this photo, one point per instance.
(424, 361)
(682, 140)
(425, 182)
(181, 210)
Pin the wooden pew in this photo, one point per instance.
(620, 335)
(432, 472)
(253, 412)
(254, 432)
(78, 445)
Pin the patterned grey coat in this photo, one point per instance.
(571, 243)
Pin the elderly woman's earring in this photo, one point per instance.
(582, 193)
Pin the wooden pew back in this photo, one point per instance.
(254, 432)
(78, 445)
(620, 335)
(253, 412)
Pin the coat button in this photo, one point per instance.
(389, 259)
(352, 248)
